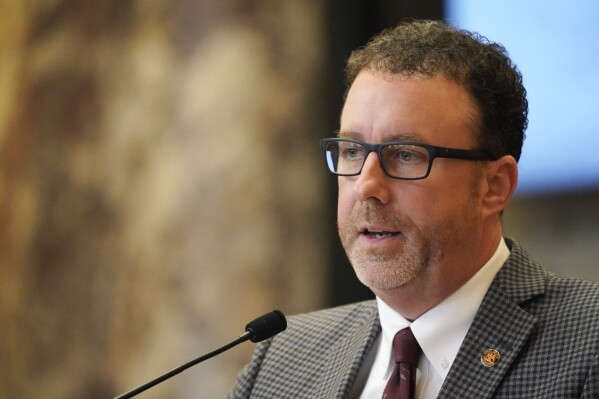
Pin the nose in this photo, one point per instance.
(372, 182)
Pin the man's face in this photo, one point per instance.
(397, 232)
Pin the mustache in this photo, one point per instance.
(374, 213)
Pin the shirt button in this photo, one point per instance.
(445, 363)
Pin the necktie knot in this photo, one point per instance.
(405, 347)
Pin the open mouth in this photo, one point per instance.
(379, 233)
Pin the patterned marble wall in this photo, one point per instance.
(160, 185)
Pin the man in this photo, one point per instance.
(431, 132)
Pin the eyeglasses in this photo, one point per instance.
(399, 160)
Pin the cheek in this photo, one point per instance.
(345, 200)
(450, 201)
(425, 204)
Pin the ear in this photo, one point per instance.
(501, 179)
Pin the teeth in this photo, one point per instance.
(379, 234)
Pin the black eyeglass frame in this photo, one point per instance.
(433, 151)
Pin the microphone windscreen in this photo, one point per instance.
(266, 326)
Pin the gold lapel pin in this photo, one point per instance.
(490, 357)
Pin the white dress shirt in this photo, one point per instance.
(440, 332)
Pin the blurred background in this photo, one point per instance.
(161, 183)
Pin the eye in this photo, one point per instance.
(405, 156)
(352, 152)
(408, 155)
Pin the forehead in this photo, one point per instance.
(386, 107)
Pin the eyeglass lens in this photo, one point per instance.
(399, 160)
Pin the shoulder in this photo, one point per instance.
(574, 300)
(284, 365)
(338, 315)
(311, 333)
(522, 277)
(334, 321)
(571, 300)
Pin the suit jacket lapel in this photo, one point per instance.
(346, 356)
(499, 324)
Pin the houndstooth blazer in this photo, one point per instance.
(546, 329)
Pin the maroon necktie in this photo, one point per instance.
(402, 383)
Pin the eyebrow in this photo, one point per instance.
(394, 137)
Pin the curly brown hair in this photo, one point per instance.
(426, 48)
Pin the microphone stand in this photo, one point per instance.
(242, 338)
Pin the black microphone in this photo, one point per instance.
(262, 328)
(266, 326)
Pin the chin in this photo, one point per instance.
(384, 280)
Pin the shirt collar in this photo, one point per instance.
(441, 330)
